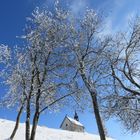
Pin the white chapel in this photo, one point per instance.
(71, 124)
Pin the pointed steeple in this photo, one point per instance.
(76, 116)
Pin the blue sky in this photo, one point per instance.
(13, 15)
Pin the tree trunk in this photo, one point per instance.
(93, 93)
(34, 127)
(36, 116)
(17, 123)
(27, 133)
(98, 117)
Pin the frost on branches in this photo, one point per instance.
(62, 58)
(38, 75)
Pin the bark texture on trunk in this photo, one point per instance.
(36, 116)
(17, 123)
(35, 122)
(98, 117)
(27, 133)
(93, 95)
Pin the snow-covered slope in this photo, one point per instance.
(43, 133)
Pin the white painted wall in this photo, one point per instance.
(68, 125)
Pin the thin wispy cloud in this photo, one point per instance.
(117, 12)
(119, 15)
(78, 6)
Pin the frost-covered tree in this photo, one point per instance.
(14, 78)
(87, 50)
(4, 53)
(124, 60)
(46, 37)
(5, 56)
(38, 80)
(78, 52)
(62, 55)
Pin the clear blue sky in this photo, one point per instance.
(13, 15)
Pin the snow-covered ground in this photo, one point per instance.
(43, 133)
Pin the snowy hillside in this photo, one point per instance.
(43, 133)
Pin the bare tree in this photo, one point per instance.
(62, 55)
(124, 61)
(17, 122)
(47, 54)
(39, 77)
(6, 60)
(87, 49)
